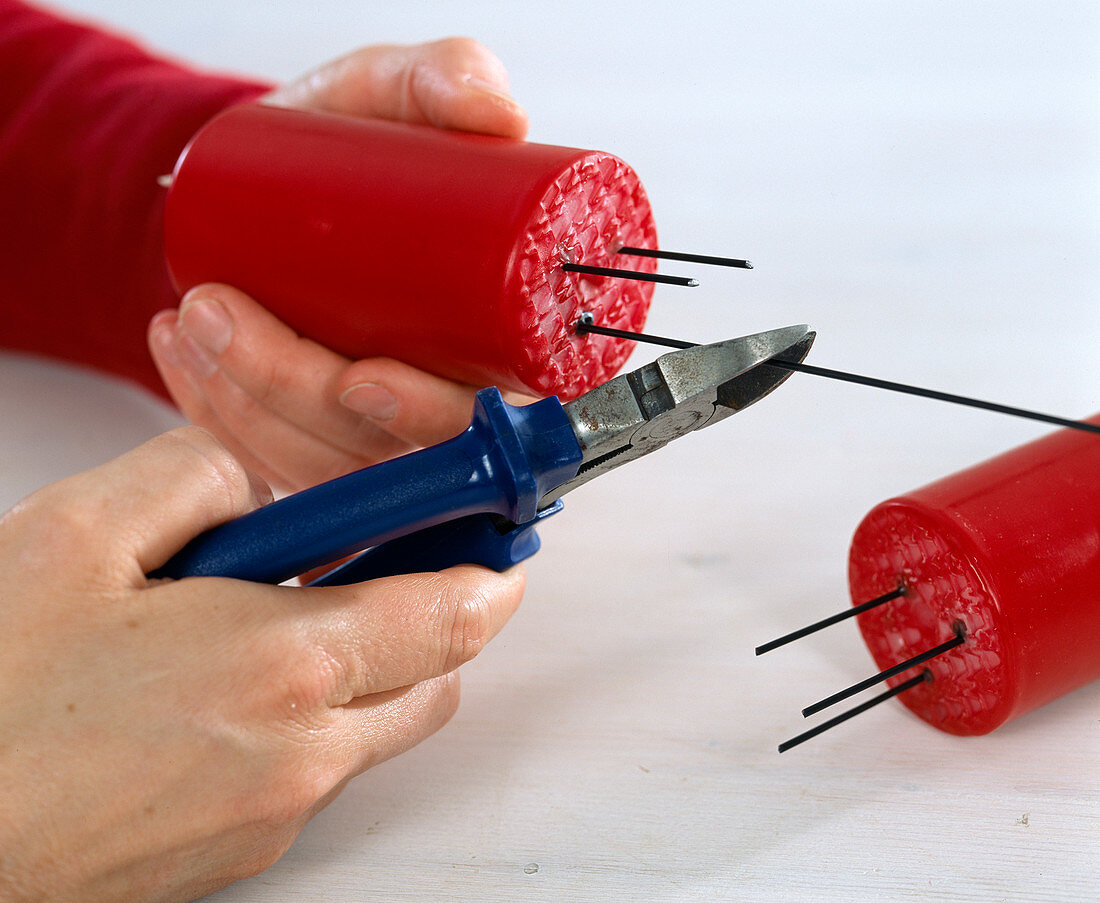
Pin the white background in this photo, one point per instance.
(919, 182)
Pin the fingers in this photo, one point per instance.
(271, 395)
(371, 729)
(329, 646)
(395, 632)
(324, 670)
(291, 410)
(187, 389)
(321, 683)
(455, 83)
(136, 511)
(350, 675)
(458, 84)
(393, 653)
(416, 407)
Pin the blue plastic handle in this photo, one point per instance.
(504, 462)
(477, 539)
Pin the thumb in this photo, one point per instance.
(454, 83)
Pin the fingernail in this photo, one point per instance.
(371, 400)
(163, 340)
(479, 84)
(208, 323)
(196, 358)
(261, 490)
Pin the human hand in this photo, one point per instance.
(455, 83)
(288, 408)
(160, 739)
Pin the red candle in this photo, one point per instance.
(442, 249)
(1009, 549)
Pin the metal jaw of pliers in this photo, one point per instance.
(476, 498)
(680, 392)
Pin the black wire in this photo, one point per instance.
(829, 621)
(687, 258)
(857, 710)
(583, 327)
(919, 659)
(628, 274)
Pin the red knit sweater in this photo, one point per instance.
(88, 121)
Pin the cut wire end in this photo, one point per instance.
(829, 621)
(925, 675)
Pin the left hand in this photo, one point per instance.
(290, 409)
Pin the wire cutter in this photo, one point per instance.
(476, 498)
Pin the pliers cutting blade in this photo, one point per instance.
(476, 498)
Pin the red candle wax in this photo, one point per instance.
(442, 249)
(1011, 550)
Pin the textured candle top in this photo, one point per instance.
(595, 206)
(970, 692)
(1011, 549)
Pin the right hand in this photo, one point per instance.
(288, 408)
(160, 739)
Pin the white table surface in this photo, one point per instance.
(917, 181)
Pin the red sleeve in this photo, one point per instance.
(88, 121)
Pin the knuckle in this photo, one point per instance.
(54, 517)
(465, 618)
(295, 793)
(268, 382)
(458, 45)
(297, 772)
(260, 856)
(208, 461)
(448, 696)
(469, 53)
(417, 83)
(302, 683)
(329, 679)
(329, 674)
(66, 518)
